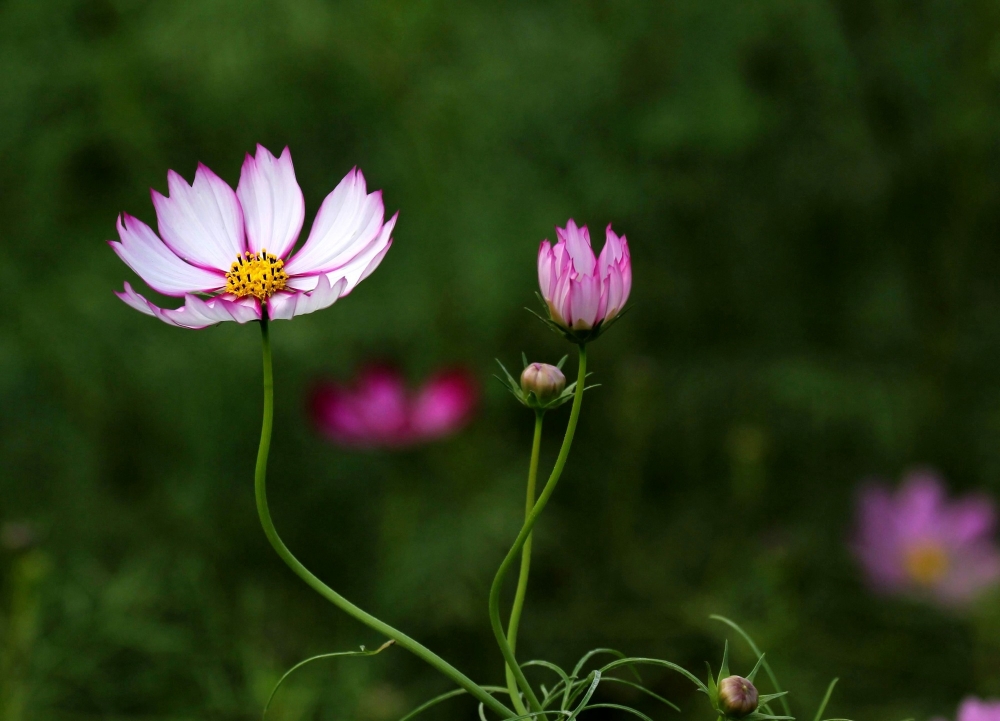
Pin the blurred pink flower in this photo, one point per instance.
(580, 290)
(378, 411)
(917, 542)
(227, 253)
(974, 709)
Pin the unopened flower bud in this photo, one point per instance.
(737, 697)
(584, 293)
(545, 381)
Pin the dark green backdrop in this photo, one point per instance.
(811, 192)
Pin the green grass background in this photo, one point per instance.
(811, 192)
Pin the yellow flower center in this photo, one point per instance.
(926, 563)
(258, 274)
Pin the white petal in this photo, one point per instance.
(273, 208)
(365, 263)
(201, 222)
(359, 268)
(283, 306)
(156, 264)
(348, 221)
(136, 301)
(370, 267)
(198, 313)
(195, 313)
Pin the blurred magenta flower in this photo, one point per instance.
(974, 709)
(227, 253)
(378, 411)
(582, 291)
(917, 542)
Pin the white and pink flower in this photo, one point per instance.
(583, 292)
(229, 254)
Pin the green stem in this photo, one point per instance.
(522, 579)
(522, 537)
(260, 487)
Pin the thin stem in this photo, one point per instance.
(260, 487)
(522, 579)
(522, 537)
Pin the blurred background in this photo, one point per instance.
(810, 191)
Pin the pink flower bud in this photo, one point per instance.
(545, 381)
(582, 291)
(737, 697)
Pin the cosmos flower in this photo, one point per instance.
(917, 542)
(974, 709)
(229, 254)
(378, 411)
(583, 292)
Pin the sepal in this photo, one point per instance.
(753, 674)
(724, 668)
(713, 687)
(580, 337)
(768, 697)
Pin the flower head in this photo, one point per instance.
(229, 254)
(916, 542)
(546, 381)
(378, 410)
(737, 697)
(582, 293)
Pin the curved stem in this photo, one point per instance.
(522, 537)
(260, 488)
(522, 579)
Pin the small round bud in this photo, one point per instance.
(737, 697)
(545, 381)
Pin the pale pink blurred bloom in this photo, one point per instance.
(228, 253)
(916, 542)
(974, 709)
(582, 291)
(378, 411)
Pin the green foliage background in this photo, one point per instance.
(810, 190)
